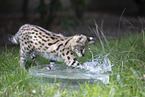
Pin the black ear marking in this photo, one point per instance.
(91, 38)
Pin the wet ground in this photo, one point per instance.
(112, 25)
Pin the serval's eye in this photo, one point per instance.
(80, 38)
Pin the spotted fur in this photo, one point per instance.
(35, 41)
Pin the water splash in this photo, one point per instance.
(95, 69)
(98, 64)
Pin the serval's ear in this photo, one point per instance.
(91, 40)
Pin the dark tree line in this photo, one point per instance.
(141, 6)
(50, 10)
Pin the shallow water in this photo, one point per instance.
(96, 69)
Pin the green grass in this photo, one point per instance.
(127, 55)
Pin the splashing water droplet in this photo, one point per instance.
(98, 64)
(92, 55)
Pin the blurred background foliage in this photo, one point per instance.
(49, 10)
(72, 16)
